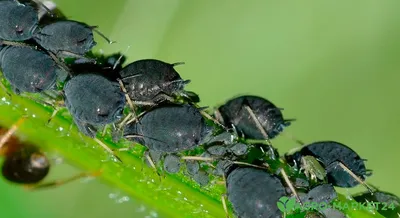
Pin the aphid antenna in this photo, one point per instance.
(107, 149)
(290, 184)
(94, 28)
(11, 131)
(120, 58)
(62, 182)
(262, 130)
(352, 174)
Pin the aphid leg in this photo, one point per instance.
(107, 149)
(94, 28)
(161, 97)
(208, 116)
(17, 44)
(62, 182)
(218, 116)
(198, 158)
(262, 130)
(5, 89)
(128, 99)
(223, 197)
(104, 131)
(5, 137)
(144, 103)
(351, 173)
(59, 63)
(290, 184)
(124, 121)
(52, 115)
(137, 118)
(213, 159)
(151, 162)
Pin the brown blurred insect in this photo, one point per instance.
(25, 164)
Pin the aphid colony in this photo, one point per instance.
(234, 141)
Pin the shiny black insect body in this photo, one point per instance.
(93, 100)
(169, 128)
(254, 192)
(28, 69)
(25, 163)
(66, 38)
(340, 162)
(252, 116)
(149, 82)
(18, 22)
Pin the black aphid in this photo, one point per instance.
(28, 69)
(170, 128)
(340, 162)
(18, 22)
(252, 116)
(389, 204)
(149, 82)
(254, 192)
(66, 38)
(93, 101)
(324, 193)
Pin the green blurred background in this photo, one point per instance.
(333, 65)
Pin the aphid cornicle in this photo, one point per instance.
(151, 81)
(335, 157)
(67, 38)
(93, 100)
(169, 128)
(18, 22)
(28, 69)
(253, 117)
(254, 192)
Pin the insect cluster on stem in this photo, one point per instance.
(146, 102)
